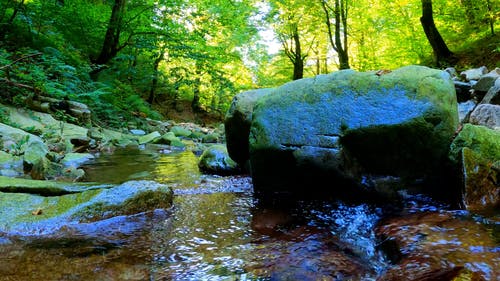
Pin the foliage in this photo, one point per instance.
(159, 54)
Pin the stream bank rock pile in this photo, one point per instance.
(350, 133)
(42, 188)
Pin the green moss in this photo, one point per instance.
(481, 182)
(42, 187)
(144, 201)
(479, 139)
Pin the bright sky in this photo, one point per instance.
(268, 36)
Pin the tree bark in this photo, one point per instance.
(293, 50)
(154, 82)
(338, 38)
(442, 54)
(298, 63)
(111, 44)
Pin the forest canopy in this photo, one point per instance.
(150, 58)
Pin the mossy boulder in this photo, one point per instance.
(151, 137)
(28, 214)
(341, 127)
(215, 160)
(171, 139)
(181, 131)
(476, 153)
(237, 123)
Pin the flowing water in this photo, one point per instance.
(218, 230)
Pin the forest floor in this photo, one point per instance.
(182, 112)
(482, 52)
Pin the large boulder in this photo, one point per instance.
(348, 127)
(237, 124)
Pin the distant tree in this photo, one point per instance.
(293, 49)
(8, 13)
(482, 12)
(337, 36)
(441, 52)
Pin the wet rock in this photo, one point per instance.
(170, 138)
(149, 137)
(76, 159)
(180, 131)
(440, 246)
(475, 150)
(306, 253)
(481, 181)
(338, 127)
(215, 160)
(79, 210)
(41, 187)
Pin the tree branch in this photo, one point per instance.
(20, 59)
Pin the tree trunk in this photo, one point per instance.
(335, 36)
(111, 42)
(298, 63)
(293, 50)
(491, 18)
(195, 103)
(6, 26)
(154, 82)
(442, 54)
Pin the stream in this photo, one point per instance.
(218, 230)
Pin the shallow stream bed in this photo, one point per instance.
(218, 230)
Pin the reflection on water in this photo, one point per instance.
(216, 231)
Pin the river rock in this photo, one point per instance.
(151, 137)
(237, 123)
(493, 95)
(476, 150)
(487, 81)
(27, 214)
(331, 131)
(44, 123)
(438, 246)
(181, 131)
(486, 115)
(170, 138)
(474, 74)
(215, 160)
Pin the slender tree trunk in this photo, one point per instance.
(491, 18)
(338, 36)
(111, 42)
(293, 50)
(195, 103)
(441, 52)
(154, 82)
(298, 63)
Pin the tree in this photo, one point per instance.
(295, 24)
(293, 50)
(6, 18)
(111, 44)
(337, 36)
(442, 54)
